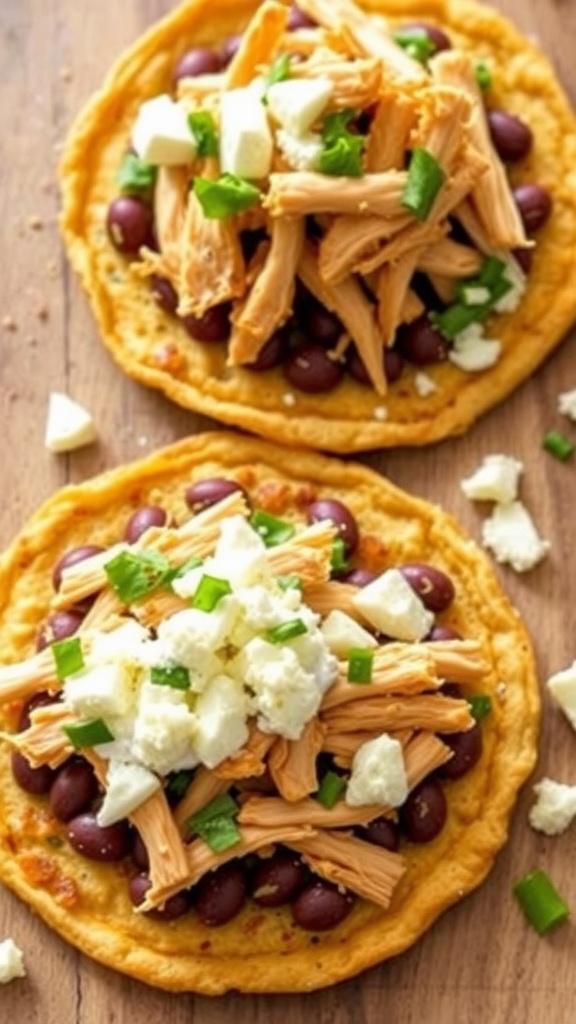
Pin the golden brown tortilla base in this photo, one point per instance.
(261, 951)
(155, 349)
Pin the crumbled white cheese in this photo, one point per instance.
(555, 807)
(562, 686)
(68, 425)
(161, 134)
(11, 962)
(301, 151)
(567, 404)
(285, 697)
(496, 479)
(391, 605)
(221, 712)
(511, 535)
(127, 786)
(378, 774)
(472, 351)
(246, 142)
(380, 413)
(163, 737)
(342, 633)
(424, 384)
(296, 103)
(514, 274)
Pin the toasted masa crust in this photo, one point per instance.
(261, 950)
(155, 349)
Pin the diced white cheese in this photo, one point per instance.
(301, 151)
(193, 637)
(285, 696)
(240, 556)
(472, 352)
(11, 962)
(164, 736)
(103, 690)
(567, 404)
(391, 605)
(562, 686)
(127, 786)
(161, 134)
(511, 535)
(221, 712)
(246, 142)
(297, 103)
(496, 479)
(342, 633)
(68, 425)
(424, 384)
(378, 774)
(555, 807)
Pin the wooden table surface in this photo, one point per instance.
(480, 962)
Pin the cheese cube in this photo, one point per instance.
(68, 425)
(240, 555)
(378, 774)
(163, 738)
(221, 710)
(495, 480)
(512, 537)
(127, 786)
(297, 103)
(246, 143)
(301, 151)
(11, 962)
(102, 691)
(567, 404)
(555, 807)
(391, 605)
(285, 696)
(161, 134)
(341, 632)
(562, 686)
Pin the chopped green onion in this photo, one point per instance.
(460, 315)
(280, 71)
(210, 592)
(331, 788)
(177, 784)
(483, 75)
(215, 823)
(289, 582)
(338, 561)
(225, 196)
(558, 445)
(133, 576)
(203, 128)
(491, 272)
(541, 903)
(360, 663)
(417, 44)
(425, 179)
(474, 295)
(68, 656)
(176, 676)
(90, 733)
(136, 177)
(342, 153)
(480, 706)
(272, 530)
(286, 631)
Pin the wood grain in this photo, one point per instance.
(480, 962)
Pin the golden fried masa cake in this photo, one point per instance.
(373, 256)
(275, 724)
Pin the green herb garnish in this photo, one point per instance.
(342, 153)
(460, 315)
(90, 733)
(558, 445)
(331, 788)
(225, 196)
(133, 576)
(425, 179)
(67, 656)
(483, 75)
(480, 706)
(418, 45)
(540, 901)
(177, 784)
(280, 71)
(286, 631)
(215, 823)
(360, 663)
(338, 560)
(136, 177)
(203, 128)
(210, 592)
(272, 530)
(176, 676)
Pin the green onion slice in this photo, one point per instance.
(360, 664)
(342, 153)
(558, 445)
(210, 592)
(425, 179)
(338, 561)
(133, 576)
(177, 784)
(460, 315)
(540, 901)
(176, 574)
(225, 196)
(480, 706)
(68, 656)
(286, 631)
(272, 530)
(289, 582)
(136, 177)
(280, 71)
(483, 75)
(203, 128)
(331, 788)
(417, 44)
(175, 676)
(90, 733)
(215, 823)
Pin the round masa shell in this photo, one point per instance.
(262, 950)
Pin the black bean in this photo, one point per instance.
(208, 492)
(59, 626)
(31, 780)
(164, 293)
(359, 577)
(73, 789)
(311, 368)
(297, 19)
(467, 750)
(524, 259)
(340, 515)
(393, 365)
(434, 587)
(423, 815)
(129, 224)
(272, 353)
(534, 204)
(443, 633)
(382, 832)
(212, 326)
(174, 907)
(221, 894)
(319, 324)
(72, 557)
(108, 843)
(512, 138)
(277, 879)
(230, 47)
(321, 906)
(37, 700)
(139, 853)
(142, 519)
(199, 61)
(421, 343)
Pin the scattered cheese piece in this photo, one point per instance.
(246, 142)
(11, 962)
(161, 134)
(68, 425)
(472, 352)
(298, 102)
(391, 605)
(555, 807)
(495, 480)
(562, 686)
(127, 786)
(301, 151)
(512, 537)
(378, 774)
(424, 384)
(567, 404)
(342, 633)
(509, 302)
